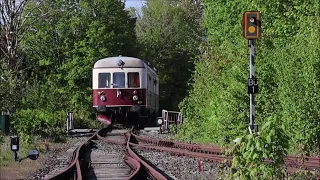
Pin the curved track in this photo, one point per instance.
(93, 160)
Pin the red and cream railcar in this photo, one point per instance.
(124, 87)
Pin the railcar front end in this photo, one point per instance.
(119, 91)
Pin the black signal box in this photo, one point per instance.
(251, 24)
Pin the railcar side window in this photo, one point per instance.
(104, 80)
(133, 80)
(119, 80)
(150, 84)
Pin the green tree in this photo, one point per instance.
(64, 46)
(15, 21)
(286, 65)
(169, 33)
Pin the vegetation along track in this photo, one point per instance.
(111, 154)
(214, 153)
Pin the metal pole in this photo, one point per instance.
(251, 47)
(68, 123)
(16, 156)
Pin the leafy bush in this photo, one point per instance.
(287, 66)
(250, 152)
(1, 138)
(29, 123)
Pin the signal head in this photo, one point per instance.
(251, 24)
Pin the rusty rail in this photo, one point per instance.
(73, 171)
(214, 153)
(209, 153)
(150, 170)
(173, 144)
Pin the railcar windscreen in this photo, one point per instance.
(104, 80)
(118, 80)
(133, 80)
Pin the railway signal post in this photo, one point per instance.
(251, 27)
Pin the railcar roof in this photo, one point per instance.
(113, 62)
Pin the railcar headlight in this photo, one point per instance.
(103, 98)
(134, 92)
(135, 97)
(101, 93)
(159, 121)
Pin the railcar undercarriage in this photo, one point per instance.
(137, 116)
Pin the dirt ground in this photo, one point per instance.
(28, 167)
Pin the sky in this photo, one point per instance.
(134, 3)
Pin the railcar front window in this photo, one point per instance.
(119, 80)
(104, 80)
(133, 80)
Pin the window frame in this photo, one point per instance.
(128, 81)
(99, 81)
(124, 82)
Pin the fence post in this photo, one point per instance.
(69, 121)
(165, 119)
(180, 118)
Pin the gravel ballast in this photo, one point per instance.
(107, 161)
(58, 160)
(179, 167)
(156, 134)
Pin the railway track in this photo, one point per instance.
(214, 153)
(114, 154)
(105, 161)
(106, 156)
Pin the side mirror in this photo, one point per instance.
(33, 154)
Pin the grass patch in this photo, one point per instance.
(40, 144)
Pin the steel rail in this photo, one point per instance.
(73, 171)
(151, 171)
(183, 152)
(169, 143)
(214, 153)
(134, 164)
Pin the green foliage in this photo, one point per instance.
(1, 138)
(29, 123)
(63, 46)
(169, 33)
(196, 124)
(287, 66)
(173, 128)
(250, 152)
(11, 91)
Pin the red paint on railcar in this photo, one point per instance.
(104, 119)
(123, 99)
